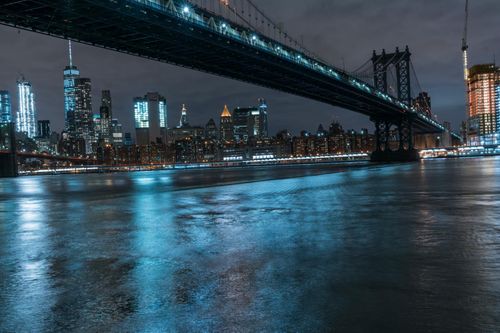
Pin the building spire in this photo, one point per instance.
(70, 53)
(225, 112)
(184, 121)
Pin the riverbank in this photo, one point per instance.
(340, 159)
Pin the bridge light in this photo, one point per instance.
(224, 26)
(254, 37)
(185, 10)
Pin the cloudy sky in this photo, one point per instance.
(344, 32)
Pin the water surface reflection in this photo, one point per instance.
(392, 248)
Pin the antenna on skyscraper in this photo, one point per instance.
(70, 53)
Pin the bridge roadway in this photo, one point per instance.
(178, 33)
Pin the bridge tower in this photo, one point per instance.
(398, 61)
(8, 159)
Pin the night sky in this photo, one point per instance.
(344, 32)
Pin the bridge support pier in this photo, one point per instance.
(386, 139)
(8, 162)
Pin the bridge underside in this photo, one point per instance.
(133, 28)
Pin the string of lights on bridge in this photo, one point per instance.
(220, 22)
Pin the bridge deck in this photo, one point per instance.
(172, 36)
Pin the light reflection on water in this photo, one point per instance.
(393, 248)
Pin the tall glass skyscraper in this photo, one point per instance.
(26, 114)
(151, 122)
(71, 73)
(5, 107)
(83, 116)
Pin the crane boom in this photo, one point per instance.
(465, 45)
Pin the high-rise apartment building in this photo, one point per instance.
(150, 115)
(250, 122)
(483, 106)
(5, 107)
(26, 114)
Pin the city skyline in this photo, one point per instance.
(207, 93)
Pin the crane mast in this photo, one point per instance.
(465, 46)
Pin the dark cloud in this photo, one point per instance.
(342, 31)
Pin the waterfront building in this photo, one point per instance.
(5, 107)
(497, 103)
(226, 125)
(26, 114)
(150, 115)
(482, 91)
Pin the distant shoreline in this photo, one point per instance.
(193, 166)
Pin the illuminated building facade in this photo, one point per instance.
(250, 122)
(83, 124)
(483, 106)
(26, 115)
(497, 103)
(150, 115)
(183, 122)
(5, 107)
(71, 73)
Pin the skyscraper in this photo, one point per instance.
(43, 129)
(250, 122)
(26, 114)
(71, 73)
(257, 126)
(5, 107)
(226, 125)
(106, 117)
(83, 116)
(482, 90)
(150, 115)
(184, 120)
(240, 124)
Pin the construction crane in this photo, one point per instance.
(465, 46)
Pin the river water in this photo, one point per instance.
(398, 248)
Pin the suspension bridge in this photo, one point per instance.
(235, 39)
